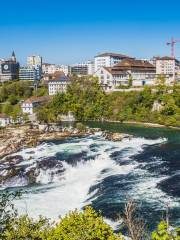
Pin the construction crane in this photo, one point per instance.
(172, 44)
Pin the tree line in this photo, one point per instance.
(77, 225)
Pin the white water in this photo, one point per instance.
(71, 190)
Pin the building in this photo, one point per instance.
(30, 73)
(108, 60)
(34, 60)
(52, 68)
(168, 66)
(4, 120)
(83, 69)
(80, 69)
(58, 83)
(127, 72)
(9, 69)
(29, 105)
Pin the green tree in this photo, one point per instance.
(86, 225)
(13, 99)
(164, 232)
(7, 109)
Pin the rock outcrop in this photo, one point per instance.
(116, 136)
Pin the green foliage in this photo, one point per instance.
(86, 225)
(7, 108)
(45, 114)
(84, 98)
(80, 126)
(7, 211)
(76, 225)
(13, 91)
(24, 227)
(164, 232)
(137, 106)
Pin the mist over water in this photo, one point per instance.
(76, 172)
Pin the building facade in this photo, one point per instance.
(4, 120)
(108, 60)
(30, 104)
(83, 69)
(34, 60)
(167, 66)
(58, 83)
(30, 73)
(127, 72)
(9, 69)
(52, 68)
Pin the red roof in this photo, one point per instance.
(3, 116)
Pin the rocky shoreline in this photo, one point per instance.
(13, 139)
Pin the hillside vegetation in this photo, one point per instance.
(87, 101)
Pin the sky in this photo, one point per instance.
(67, 31)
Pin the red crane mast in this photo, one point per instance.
(172, 44)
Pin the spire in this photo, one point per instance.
(13, 56)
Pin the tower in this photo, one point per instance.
(13, 57)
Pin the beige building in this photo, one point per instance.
(138, 72)
(34, 60)
(167, 66)
(57, 83)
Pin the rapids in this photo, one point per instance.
(63, 175)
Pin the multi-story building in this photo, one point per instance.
(108, 60)
(34, 60)
(126, 72)
(58, 83)
(52, 68)
(83, 69)
(30, 73)
(80, 69)
(9, 69)
(167, 66)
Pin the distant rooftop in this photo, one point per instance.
(3, 116)
(130, 64)
(37, 99)
(165, 58)
(58, 76)
(108, 54)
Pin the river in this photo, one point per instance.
(59, 176)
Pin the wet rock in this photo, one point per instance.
(49, 163)
(116, 136)
(13, 160)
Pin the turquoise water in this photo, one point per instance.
(63, 175)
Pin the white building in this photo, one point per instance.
(108, 60)
(30, 73)
(34, 60)
(4, 120)
(167, 66)
(138, 72)
(58, 83)
(83, 69)
(52, 68)
(30, 104)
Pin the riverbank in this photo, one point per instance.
(146, 124)
(12, 139)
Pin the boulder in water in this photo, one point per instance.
(116, 136)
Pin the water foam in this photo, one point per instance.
(72, 189)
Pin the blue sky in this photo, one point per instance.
(73, 31)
